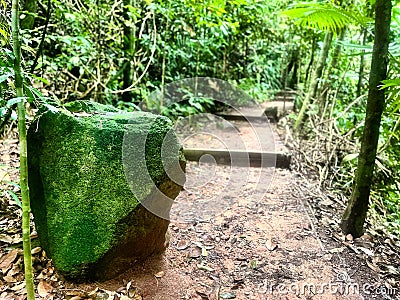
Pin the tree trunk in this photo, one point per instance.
(356, 211)
(26, 208)
(314, 80)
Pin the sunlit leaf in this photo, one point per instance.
(15, 198)
(4, 77)
(350, 157)
(15, 100)
(324, 16)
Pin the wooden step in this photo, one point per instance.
(237, 117)
(241, 158)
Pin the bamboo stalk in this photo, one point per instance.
(26, 239)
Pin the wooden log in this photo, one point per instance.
(240, 158)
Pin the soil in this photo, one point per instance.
(234, 234)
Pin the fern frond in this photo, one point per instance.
(324, 16)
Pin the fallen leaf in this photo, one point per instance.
(327, 202)
(349, 237)
(182, 245)
(15, 269)
(77, 293)
(373, 267)
(271, 246)
(366, 251)
(9, 279)
(390, 269)
(195, 253)
(367, 237)
(337, 250)
(7, 260)
(159, 274)
(36, 250)
(6, 238)
(17, 239)
(18, 286)
(205, 268)
(44, 288)
(93, 293)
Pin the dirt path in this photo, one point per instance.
(263, 249)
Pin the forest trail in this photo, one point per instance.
(235, 233)
(267, 249)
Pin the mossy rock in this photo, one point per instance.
(90, 197)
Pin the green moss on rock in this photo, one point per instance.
(90, 220)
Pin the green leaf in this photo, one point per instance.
(15, 198)
(45, 81)
(35, 93)
(13, 184)
(4, 77)
(350, 157)
(29, 94)
(3, 33)
(390, 83)
(15, 100)
(50, 107)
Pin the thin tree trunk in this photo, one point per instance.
(335, 59)
(129, 50)
(26, 234)
(313, 49)
(291, 80)
(314, 80)
(361, 69)
(356, 211)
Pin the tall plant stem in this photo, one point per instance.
(26, 235)
(314, 81)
